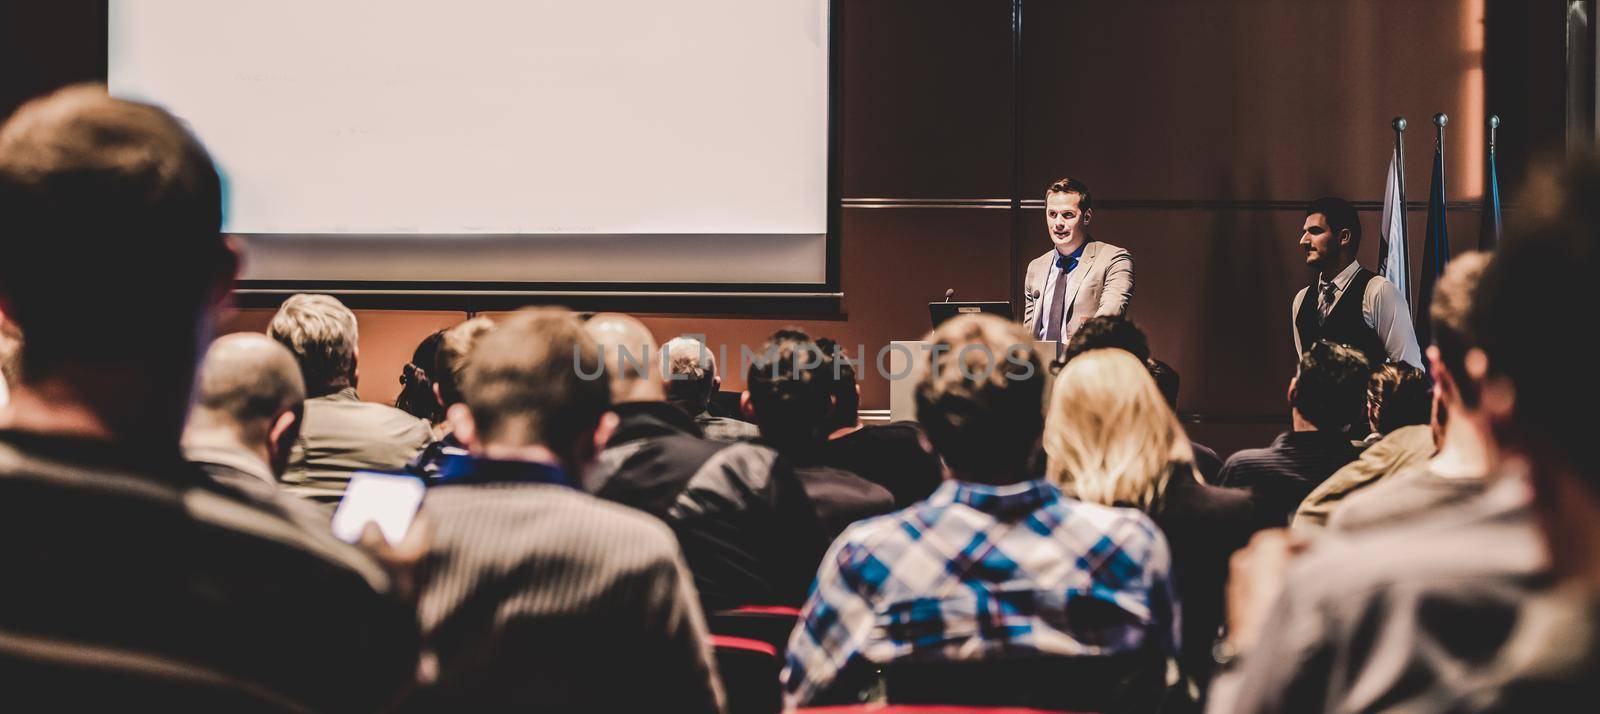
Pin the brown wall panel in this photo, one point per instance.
(45, 45)
(1224, 100)
(926, 89)
(895, 262)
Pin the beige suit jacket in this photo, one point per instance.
(1102, 284)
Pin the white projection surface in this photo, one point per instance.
(593, 141)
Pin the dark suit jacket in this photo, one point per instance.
(894, 456)
(747, 528)
(1204, 525)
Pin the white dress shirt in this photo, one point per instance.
(1384, 310)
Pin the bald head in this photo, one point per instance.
(247, 381)
(691, 372)
(631, 360)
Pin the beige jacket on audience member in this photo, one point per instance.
(1401, 449)
(342, 435)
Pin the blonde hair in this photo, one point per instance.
(1110, 435)
(454, 354)
(321, 332)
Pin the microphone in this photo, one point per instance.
(948, 293)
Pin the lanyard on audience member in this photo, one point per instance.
(464, 469)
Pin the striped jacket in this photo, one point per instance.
(543, 597)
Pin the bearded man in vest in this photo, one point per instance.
(1348, 303)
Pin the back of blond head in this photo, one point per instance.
(455, 353)
(321, 332)
(1109, 433)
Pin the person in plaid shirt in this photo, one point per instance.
(994, 563)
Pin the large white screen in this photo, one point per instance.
(540, 119)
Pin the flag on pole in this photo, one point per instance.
(1489, 237)
(1435, 246)
(1393, 256)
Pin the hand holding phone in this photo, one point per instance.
(387, 500)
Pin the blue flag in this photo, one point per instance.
(1435, 251)
(1489, 238)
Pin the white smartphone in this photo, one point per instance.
(389, 500)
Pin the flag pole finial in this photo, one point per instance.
(1439, 120)
(1399, 123)
(1494, 128)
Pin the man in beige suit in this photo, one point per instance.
(1082, 277)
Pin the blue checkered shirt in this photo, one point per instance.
(976, 572)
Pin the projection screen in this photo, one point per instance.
(597, 144)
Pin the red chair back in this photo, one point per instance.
(749, 670)
(769, 624)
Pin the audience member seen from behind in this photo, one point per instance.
(130, 575)
(1398, 396)
(691, 380)
(450, 358)
(1325, 398)
(341, 434)
(896, 456)
(247, 407)
(416, 384)
(1206, 460)
(1539, 280)
(1460, 468)
(541, 596)
(1400, 409)
(988, 563)
(741, 516)
(787, 393)
(1117, 332)
(1112, 440)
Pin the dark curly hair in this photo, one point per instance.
(416, 391)
(1331, 390)
(1108, 331)
(789, 384)
(841, 374)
